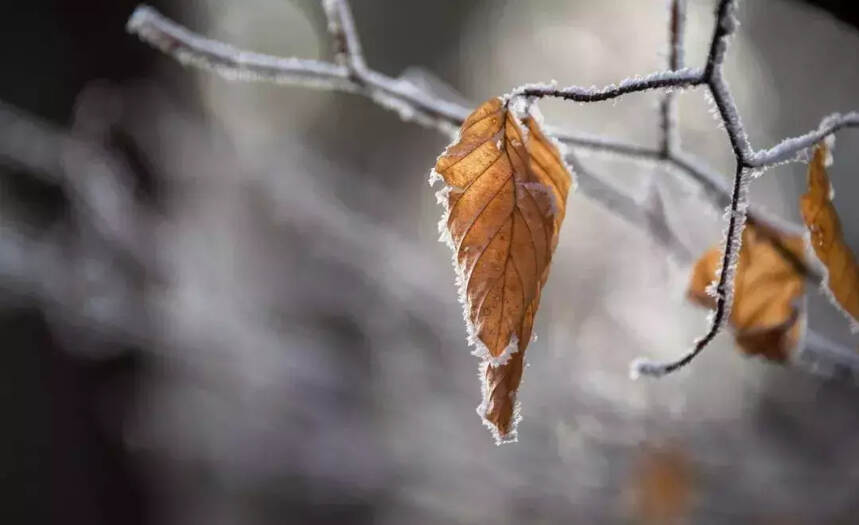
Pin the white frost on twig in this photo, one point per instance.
(789, 146)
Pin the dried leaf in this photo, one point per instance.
(663, 486)
(768, 286)
(827, 239)
(505, 195)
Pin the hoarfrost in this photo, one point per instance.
(829, 141)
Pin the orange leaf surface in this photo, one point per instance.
(505, 193)
(765, 313)
(827, 238)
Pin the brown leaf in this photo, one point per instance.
(663, 486)
(767, 288)
(505, 194)
(827, 238)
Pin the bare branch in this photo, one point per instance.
(730, 117)
(676, 28)
(724, 288)
(192, 49)
(234, 64)
(351, 74)
(341, 26)
(827, 358)
(789, 147)
(598, 144)
(725, 25)
(29, 143)
(647, 214)
(659, 80)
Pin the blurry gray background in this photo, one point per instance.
(280, 342)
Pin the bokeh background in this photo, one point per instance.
(224, 303)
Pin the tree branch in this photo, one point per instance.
(351, 74)
(659, 80)
(676, 28)
(724, 288)
(341, 26)
(725, 25)
(647, 214)
(792, 146)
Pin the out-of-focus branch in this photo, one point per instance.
(341, 26)
(676, 29)
(350, 73)
(648, 214)
(88, 173)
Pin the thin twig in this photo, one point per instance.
(192, 49)
(681, 78)
(676, 28)
(599, 144)
(725, 25)
(790, 147)
(347, 46)
(723, 292)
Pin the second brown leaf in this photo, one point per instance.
(768, 287)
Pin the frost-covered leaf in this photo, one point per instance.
(827, 239)
(505, 193)
(768, 287)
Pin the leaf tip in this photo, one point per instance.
(504, 424)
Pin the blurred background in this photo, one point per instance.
(225, 303)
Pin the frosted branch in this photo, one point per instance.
(341, 26)
(234, 64)
(790, 147)
(231, 63)
(351, 74)
(730, 117)
(724, 286)
(659, 80)
(726, 24)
